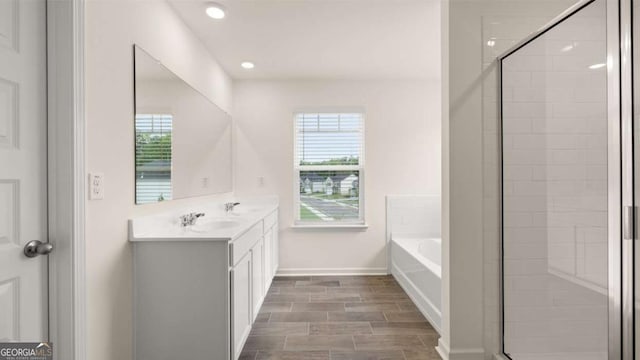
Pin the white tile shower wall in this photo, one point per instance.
(414, 215)
(556, 141)
(470, 193)
(470, 196)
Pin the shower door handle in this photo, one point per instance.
(628, 222)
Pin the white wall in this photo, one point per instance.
(470, 158)
(112, 28)
(402, 144)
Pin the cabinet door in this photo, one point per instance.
(241, 304)
(257, 276)
(275, 250)
(268, 259)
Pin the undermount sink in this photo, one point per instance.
(213, 225)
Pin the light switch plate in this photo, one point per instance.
(96, 186)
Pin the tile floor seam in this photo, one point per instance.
(423, 343)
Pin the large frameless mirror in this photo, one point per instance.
(182, 139)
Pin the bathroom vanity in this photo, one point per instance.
(198, 288)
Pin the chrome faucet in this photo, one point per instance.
(190, 219)
(228, 207)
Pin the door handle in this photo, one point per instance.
(628, 222)
(37, 247)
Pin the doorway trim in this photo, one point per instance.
(66, 177)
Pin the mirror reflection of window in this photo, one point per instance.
(153, 157)
(184, 137)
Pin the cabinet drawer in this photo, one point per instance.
(270, 220)
(241, 246)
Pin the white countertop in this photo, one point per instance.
(215, 225)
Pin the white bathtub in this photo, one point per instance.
(416, 265)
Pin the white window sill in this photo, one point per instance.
(330, 226)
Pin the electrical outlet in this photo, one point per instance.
(205, 182)
(261, 180)
(96, 186)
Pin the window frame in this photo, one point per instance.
(297, 168)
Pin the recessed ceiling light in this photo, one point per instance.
(215, 11)
(247, 65)
(597, 66)
(491, 43)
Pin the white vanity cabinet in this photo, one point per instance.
(241, 306)
(268, 257)
(270, 248)
(197, 297)
(257, 276)
(276, 252)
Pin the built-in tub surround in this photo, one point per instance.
(416, 266)
(415, 251)
(198, 287)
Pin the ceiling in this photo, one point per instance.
(321, 39)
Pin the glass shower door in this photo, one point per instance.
(555, 177)
(632, 10)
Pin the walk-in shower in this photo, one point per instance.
(567, 188)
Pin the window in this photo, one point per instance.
(329, 168)
(153, 157)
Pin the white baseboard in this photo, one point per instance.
(500, 357)
(447, 353)
(443, 349)
(334, 271)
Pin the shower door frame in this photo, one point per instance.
(621, 230)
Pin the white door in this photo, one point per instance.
(23, 170)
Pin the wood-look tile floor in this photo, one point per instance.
(339, 317)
